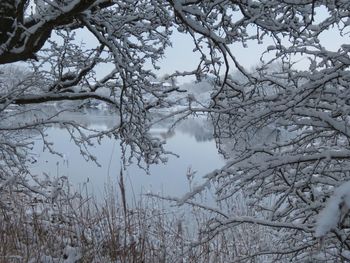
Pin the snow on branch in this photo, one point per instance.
(331, 216)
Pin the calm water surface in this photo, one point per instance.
(191, 141)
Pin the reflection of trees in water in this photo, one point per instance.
(201, 129)
(167, 135)
(84, 117)
(21, 126)
(91, 118)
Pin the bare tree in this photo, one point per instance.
(56, 67)
(284, 128)
(43, 34)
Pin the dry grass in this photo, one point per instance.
(71, 228)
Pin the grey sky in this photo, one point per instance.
(182, 58)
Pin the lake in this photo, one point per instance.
(192, 141)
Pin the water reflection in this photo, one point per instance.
(192, 141)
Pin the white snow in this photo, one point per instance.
(335, 208)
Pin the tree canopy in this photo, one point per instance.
(283, 126)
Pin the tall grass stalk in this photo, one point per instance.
(69, 227)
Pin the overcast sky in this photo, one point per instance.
(181, 56)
